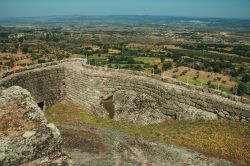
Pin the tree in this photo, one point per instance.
(169, 54)
(209, 82)
(162, 58)
(242, 89)
(157, 71)
(10, 64)
(25, 50)
(130, 60)
(41, 61)
(245, 78)
(241, 70)
(20, 39)
(166, 66)
(14, 51)
(234, 73)
(217, 68)
(59, 57)
(4, 50)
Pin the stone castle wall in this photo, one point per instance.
(46, 84)
(89, 86)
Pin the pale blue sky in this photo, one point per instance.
(198, 8)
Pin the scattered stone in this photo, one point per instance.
(221, 114)
(243, 120)
(28, 134)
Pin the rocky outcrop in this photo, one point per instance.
(192, 113)
(138, 108)
(25, 136)
(91, 146)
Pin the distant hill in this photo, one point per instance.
(164, 21)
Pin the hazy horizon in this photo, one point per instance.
(179, 8)
(138, 15)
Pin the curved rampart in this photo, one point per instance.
(46, 84)
(87, 86)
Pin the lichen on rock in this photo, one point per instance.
(192, 113)
(25, 134)
(138, 108)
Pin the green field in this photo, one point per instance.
(209, 55)
(146, 59)
(203, 83)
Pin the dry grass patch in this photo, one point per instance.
(202, 75)
(172, 47)
(113, 51)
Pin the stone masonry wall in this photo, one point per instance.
(45, 84)
(88, 86)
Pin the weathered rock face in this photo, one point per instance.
(139, 108)
(24, 133)
(192, 113)
(94, 147)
